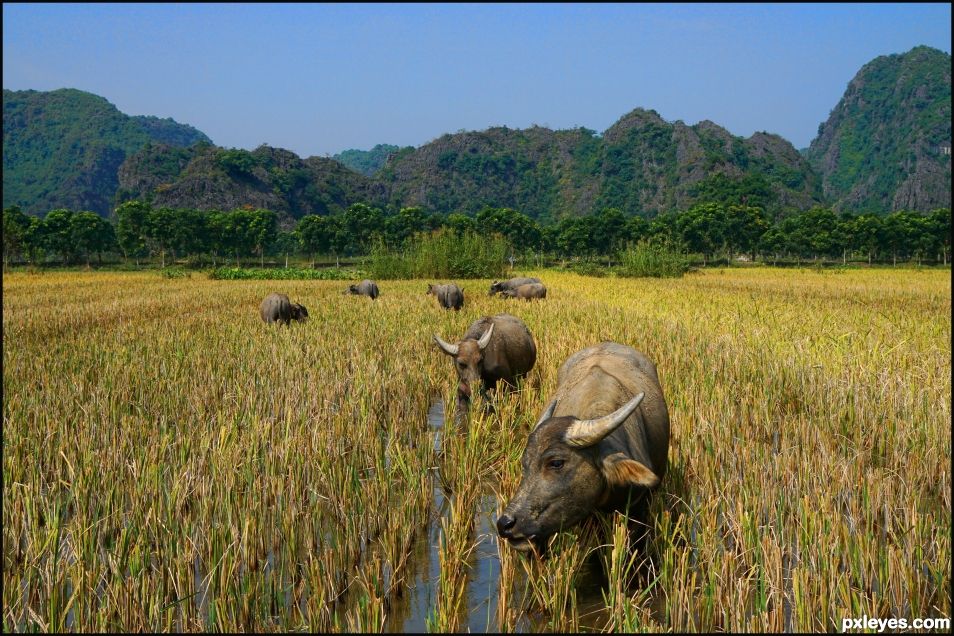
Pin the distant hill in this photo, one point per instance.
(367, 162)
(641, 165)
(885, 147)
(63, 148)
(206, 177)
(882, 147)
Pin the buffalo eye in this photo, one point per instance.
(555, 464)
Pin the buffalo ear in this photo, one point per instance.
(620, 470)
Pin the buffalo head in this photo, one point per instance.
(565, 478)
(468, 357)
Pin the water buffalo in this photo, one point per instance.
(494, 348)
(449, 296)
(601, 444)
(364, 288)
(277, 308)
(526, 292)
(504, 285)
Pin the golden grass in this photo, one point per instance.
(172, 464)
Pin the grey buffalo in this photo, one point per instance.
(364, 288)
(526, 292)
(277, 308)
(504, 285)
(601, 444)
(498, 348)
(449, 296)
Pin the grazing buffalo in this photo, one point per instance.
(277, 308)
(500, 286)
(526, 292)
(601, 444)
(364, 288)
(449, 296)
(494, 348)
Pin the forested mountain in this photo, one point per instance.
(881, 150)
(63, 148)
(367, 162)
(206, 177)
(883, 147)
(640, 165)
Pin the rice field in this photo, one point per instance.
(172, 464)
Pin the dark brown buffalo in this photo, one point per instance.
(449, 296)
(493, 349)
(601, 444)
(500, 286)
(277, 308)
(365, 288)
(526, 292)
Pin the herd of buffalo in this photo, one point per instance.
(601, 444)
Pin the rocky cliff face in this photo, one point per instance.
(882, 146)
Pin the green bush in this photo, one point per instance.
(174, 272)
(655, 259)
(284, 273)
(440, 254)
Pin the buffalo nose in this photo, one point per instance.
(504, 524)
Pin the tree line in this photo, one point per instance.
(711, 230)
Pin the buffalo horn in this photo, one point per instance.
(485, 339)
(547, 414)
(584, 433)
(449, 349)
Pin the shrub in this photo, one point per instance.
(655, 259)
(440, 254)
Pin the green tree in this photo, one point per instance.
(263, 224)
(864, 234)
(609, 231)
(940, 227)
(91, 233)
(316, 234)
(701, 227)
(407, 223)
(34, 239)
(163, 232)
(15, 226)
(742, 228)
(58, 234)
(131, 228)
(519, 229)
(575, 235)
(358, 225)
(460, 223)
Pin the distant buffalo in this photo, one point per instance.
(493, 349)
(364, 288)
(504, 285)
(277, 308)
(526, 292)
(601, 444)
(449, 296)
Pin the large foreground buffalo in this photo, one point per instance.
(493, 349)
(601, 444)
(364, 288)
(278, 308)
(449, 296)
(526, 292)
(504, 285)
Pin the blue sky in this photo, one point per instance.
(319, 79)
